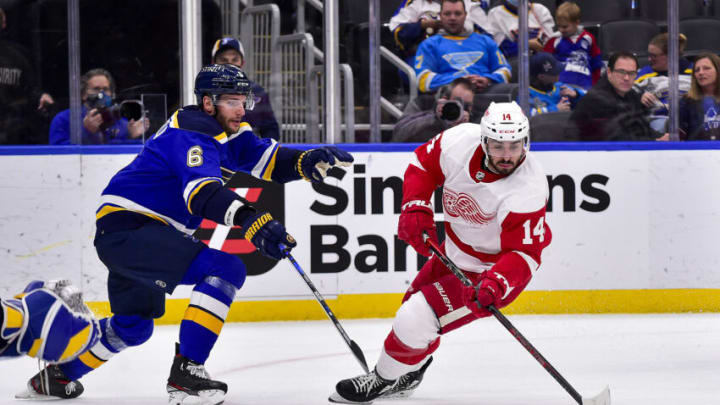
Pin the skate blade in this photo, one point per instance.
(336, 398)
(34, 396)
(206, 397)
(399, 395)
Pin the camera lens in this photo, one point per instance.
(451, 110)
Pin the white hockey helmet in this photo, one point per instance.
(504, 122)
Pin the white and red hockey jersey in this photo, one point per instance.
(491, 221)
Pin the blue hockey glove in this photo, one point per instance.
(314, 164)
(267, 234)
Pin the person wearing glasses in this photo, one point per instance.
(611, 110)
(653, 83)
(148, 213)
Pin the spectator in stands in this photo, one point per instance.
(576, 48)
(416, 20)
(23, 106)
(547, 94)
(99, 126)
(502, 21)
(261, 118)
(611, 111)
(699, 117)
(455, 52)
(452, 107)
(653, 82)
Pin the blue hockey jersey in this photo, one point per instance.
(190, 151)
(581, 56)
(441, 59)
(544, 102)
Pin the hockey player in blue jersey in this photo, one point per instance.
(151, 207)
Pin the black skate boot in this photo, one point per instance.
(406, 384)
(188, 378)
(51, 383)
(362, 389)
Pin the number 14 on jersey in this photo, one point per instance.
(537, 231)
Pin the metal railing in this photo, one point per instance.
(412, 81)
(297, 107)
(347, 88)
(259, 31)
(285, 66)
(317, 5)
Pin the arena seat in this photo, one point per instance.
(552, 127)
(626, 35)
(702, 35)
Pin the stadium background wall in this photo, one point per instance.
(634, 231)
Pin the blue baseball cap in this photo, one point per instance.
(545, 63)
(226, 43)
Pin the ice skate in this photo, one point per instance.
(407, 383)
(188, 378)
(51, 383)
(362, 389)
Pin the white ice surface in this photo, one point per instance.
(646, 359)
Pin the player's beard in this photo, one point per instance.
(226, 124)
(493, 165)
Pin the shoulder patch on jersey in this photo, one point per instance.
(193, 119)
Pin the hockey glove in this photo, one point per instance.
(486, 292)
(267, 234)
(314, 164)
(416, 218)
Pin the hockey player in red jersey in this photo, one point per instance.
(494, 197)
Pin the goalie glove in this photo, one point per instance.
(313, 164)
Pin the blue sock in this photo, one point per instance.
(204, 318)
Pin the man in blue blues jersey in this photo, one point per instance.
(151, 207)
(456, 52)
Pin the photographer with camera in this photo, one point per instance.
(103, 120)
(451, 108)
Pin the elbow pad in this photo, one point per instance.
(221, 205)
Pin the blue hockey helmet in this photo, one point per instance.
(214, 80)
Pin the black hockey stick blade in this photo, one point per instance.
(354, 348)
(359, 356)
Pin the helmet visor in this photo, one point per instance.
(505, 149)
(248, 103)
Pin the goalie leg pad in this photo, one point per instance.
(13, 318)
(52, 330)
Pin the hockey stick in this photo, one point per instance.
(356, 351)
(602, 398)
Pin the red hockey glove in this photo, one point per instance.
(486, 292)
(416, 218)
